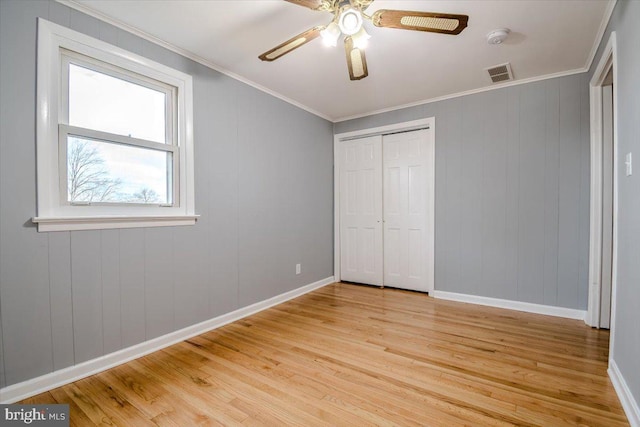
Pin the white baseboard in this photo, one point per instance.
(19, 391)
(629, 404)
(549, 310)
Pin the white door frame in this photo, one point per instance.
(337, 139)
(607, 61)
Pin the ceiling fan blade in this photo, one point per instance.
(311, 4)
(445, 23)
(291, 44)
(356, 61)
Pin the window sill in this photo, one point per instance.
(107, 222)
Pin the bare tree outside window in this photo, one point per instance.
(88, 179)
(146, 195)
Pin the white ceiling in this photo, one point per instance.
(405, 67)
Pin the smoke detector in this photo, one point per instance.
(498, 36)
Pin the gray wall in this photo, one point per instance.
(264, 188)
(626, 350)
(512, 190)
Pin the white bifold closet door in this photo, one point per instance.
(386, 208)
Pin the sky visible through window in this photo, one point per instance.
(105, 172)
(108, 172)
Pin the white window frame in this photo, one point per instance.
(58, 46)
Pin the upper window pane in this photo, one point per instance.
(105, 103)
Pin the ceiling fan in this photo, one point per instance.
(348, 18)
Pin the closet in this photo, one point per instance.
(386, 210)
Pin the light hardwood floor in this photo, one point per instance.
(356, 355)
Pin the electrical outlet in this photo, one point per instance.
(298, 268)
(628, 161)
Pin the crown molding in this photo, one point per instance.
(587, 66)
(603, 27)
(187, 54)
(190, 55)
(464, 93)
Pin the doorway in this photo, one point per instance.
(603, 211)
(384, 206)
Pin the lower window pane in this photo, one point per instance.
(105, 172)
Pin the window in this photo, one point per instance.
(114, 137)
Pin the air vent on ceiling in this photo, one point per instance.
(500, 73)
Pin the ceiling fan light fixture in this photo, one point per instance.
(350, 21)
(361, 39)
(331, 34)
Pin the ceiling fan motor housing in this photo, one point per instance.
(349, 20)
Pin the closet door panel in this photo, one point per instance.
(361, 211)
(407, 168)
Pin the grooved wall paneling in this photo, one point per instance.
(61, 294)
(24, 254)
(111, 301)
(2, 377)
(86, 285)
(264, 190)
